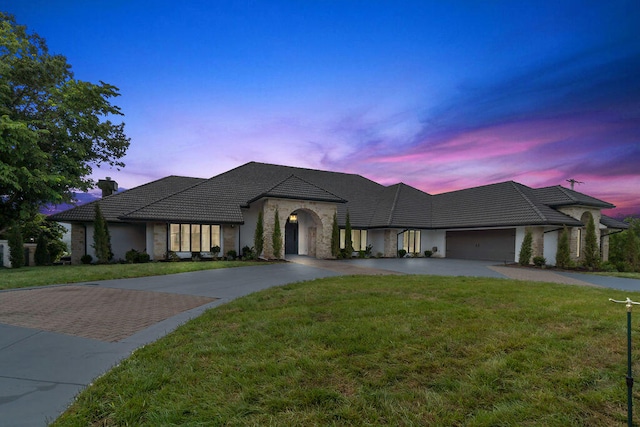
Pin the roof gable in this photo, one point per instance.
(294, 187)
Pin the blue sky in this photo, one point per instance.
(441, 95)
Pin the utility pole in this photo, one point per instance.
(573, 182)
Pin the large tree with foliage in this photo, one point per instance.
(53, 128)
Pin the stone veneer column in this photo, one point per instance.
(537, 241)
(78, 242)
(160, 247)
(228, 239)
(390, 244)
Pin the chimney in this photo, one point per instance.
(107, 186)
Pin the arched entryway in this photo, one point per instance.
(301, 232)
(291, 235)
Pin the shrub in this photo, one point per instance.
(135, 257)
(248, 253)
(539, 261)
(526, 249)
(172, 256)
(215, 250)
(379, 255)
(131, 256)
(16, 247)
(195, 256)
(401, 253)
(428, 254)
(86, 259)
(608, 267)
(231, 254)
(362, 254)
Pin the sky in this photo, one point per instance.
(440, 95)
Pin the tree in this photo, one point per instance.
(101, 237)
(335, 236)
(591, 251)
(276, 238)
(258, 236)
(16, 246)
(53, 128)
(348, 243)
(526, 249)
(631, 251)
(563, 253)
(41, 256)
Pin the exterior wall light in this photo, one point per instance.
(293, 218)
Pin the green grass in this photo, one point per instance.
(392, 350)
(62, 274)
(628, 275)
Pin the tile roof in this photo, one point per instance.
(117, 204)
(297, 188)
(609, 222)
(503, 204)
(559, 196)
(371, 205)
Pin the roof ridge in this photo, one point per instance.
(173, 193)
(395, 202)
(528, 199)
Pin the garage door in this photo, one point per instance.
(490, 245)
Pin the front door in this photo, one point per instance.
(291, 238)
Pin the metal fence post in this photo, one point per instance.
(629, 305)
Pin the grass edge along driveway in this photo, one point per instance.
(65, 274)
(395, 350)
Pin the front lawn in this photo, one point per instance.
(381, 350)
(62, 274)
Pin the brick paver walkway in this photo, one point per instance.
(87, 311)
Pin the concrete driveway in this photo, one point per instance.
(55, 340)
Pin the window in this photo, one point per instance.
(411, 241)
(358, 239)
(578, 242)
(193, 237)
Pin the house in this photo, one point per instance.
(185, 215)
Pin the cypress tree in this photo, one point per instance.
(101, 237)
(335, 236)
(16, 246)
(258, 236)
(277, 236)
(348, 243)
(563, 253)
(41, 256)
(591, 252)
(526, 249)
